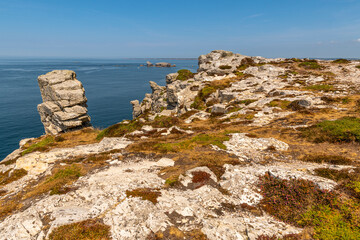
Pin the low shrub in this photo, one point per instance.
(145, 194)
(164, 121)
(8, 176)
(224, 67)
(348, 181)
(303, 204)
(357, 66)
(346, 129)
(184, 74)
(310, 64)
(341, 61)
(39, 146)
(331, 159)
(119, 129)
(63, 177)
(287, 200)
(334, 223)
(320, 87)
(85, 230)
(204, 93)
(283, 104)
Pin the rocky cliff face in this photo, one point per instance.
(64, 103)
(246, 148)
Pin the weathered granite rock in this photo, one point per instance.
(136, 108)
(299, 104)
(64, 103)
(171, 77)
(149, 64)
(218, 109)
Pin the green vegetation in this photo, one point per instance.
(247, 101)
(58, 181)
(357, 66)
(164, 121)
(245, 63)
(341, 61)
(346, 129)
(331, 159)
(321, 87)
(199, 140)
(8, 176)
(184, 74)
(85, 230)
(341, 222)
(302, 203)
(145, 194)
(349, 181)
(283, 104)
(204, 93)
(39, 146)
(224, 67)
(287, 200)
(172, 181)
(310, 64)
(119, 129)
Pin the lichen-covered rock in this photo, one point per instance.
(218, 109)
(64, 103)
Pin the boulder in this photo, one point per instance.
(64, 103)
(299, 104)
(149, 64)
(218, 109)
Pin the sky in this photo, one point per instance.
(186, 28)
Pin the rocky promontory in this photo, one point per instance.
(244, 148)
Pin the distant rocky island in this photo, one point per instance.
(159, 64)
(245, 148)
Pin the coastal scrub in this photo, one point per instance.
(184, 74)
(346, 129)
(85, 230)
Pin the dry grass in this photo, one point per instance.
(174, 233)
(59, 182)
(85, 230)
(65, 140)
(145, 194)
(11, 176)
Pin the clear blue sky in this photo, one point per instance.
(157, 28)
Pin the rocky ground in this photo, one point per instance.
(246, 148)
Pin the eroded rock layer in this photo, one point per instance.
(64, 103)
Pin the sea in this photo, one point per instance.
(110, 85)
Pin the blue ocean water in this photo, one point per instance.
(109, 84)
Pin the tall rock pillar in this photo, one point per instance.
(64, 103)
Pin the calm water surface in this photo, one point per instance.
(109, 84)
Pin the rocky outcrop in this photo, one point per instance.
(64, 103)
(146, 178)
